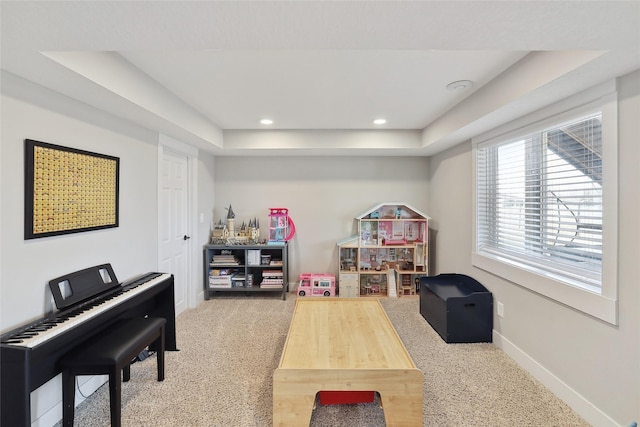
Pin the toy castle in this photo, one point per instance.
(226, 234)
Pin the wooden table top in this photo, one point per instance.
(343, 333)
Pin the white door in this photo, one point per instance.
(173, 219)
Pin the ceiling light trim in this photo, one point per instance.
(459, 85)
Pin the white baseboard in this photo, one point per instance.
(577, 402)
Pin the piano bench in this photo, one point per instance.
(111, 352)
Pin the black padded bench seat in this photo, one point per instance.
(110, 353)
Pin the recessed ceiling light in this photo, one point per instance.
(460, 85)
(379, 121)
(266, 121)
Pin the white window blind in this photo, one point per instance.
(539, 200)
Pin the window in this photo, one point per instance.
(540, 211)
(539, 199)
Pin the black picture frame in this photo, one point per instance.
(68, 190)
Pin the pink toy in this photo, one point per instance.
(281, 226)
(317, 284)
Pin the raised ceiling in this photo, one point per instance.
(206, 72)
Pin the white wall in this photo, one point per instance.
(323, 195)
(206, 203)
(584, 360)
(27, 265)
(29, 111)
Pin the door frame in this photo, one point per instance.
(167, 143)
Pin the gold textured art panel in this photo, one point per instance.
(72, 191)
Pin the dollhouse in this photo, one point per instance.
(387, 255)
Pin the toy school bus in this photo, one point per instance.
(317, 285)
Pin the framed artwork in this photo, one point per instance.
(68, 190)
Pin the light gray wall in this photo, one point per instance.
(323, 195)
(27, 265)
(30, 111)
(206, 203)
(596, 360)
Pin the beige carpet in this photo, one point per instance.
(229, 348)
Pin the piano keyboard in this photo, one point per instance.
(39, 333)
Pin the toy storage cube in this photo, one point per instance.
(458, 308)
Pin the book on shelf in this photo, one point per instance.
(269, 282)
(271, 286)
(220, 282)
(253, 256)
(276, 262)
(224, 258)
(272, 273)
(214, 262)
(222, 278)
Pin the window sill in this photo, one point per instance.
(591, 303)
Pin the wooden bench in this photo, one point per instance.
(110, 353)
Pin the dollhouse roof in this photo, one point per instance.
(388, 210)
(348, 240)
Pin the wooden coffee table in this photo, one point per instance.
(344, 344)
